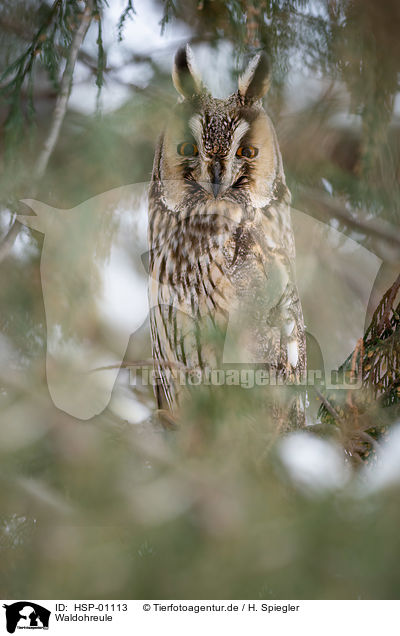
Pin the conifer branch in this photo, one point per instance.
(57, 119)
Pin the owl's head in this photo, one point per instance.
(219, 148)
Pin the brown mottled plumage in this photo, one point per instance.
(221, 242)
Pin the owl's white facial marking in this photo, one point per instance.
(292, 353)
(288, 327)
(196, 127)
(238, 133)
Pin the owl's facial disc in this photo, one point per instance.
(220, 153)
(218, 149)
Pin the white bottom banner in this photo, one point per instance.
(194, 617)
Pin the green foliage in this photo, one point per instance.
(101, 58)
(113, 509)
(129, 512)
(170, 11)
(50, 45)
(128, 12)
(54, 31)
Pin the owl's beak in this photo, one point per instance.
(216, 173)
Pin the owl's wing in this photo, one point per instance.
(267, 323)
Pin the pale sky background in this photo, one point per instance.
(142, 35)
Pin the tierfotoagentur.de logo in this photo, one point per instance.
(26, 615)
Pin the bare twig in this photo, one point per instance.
(334, 208)
(327, 404)
(63, 96)
(370, 440)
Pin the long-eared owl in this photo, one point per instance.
(220, 236)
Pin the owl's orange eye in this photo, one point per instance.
(187, 149)
(247, 152)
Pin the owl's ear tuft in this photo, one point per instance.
(255, 81)
(184, 77)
